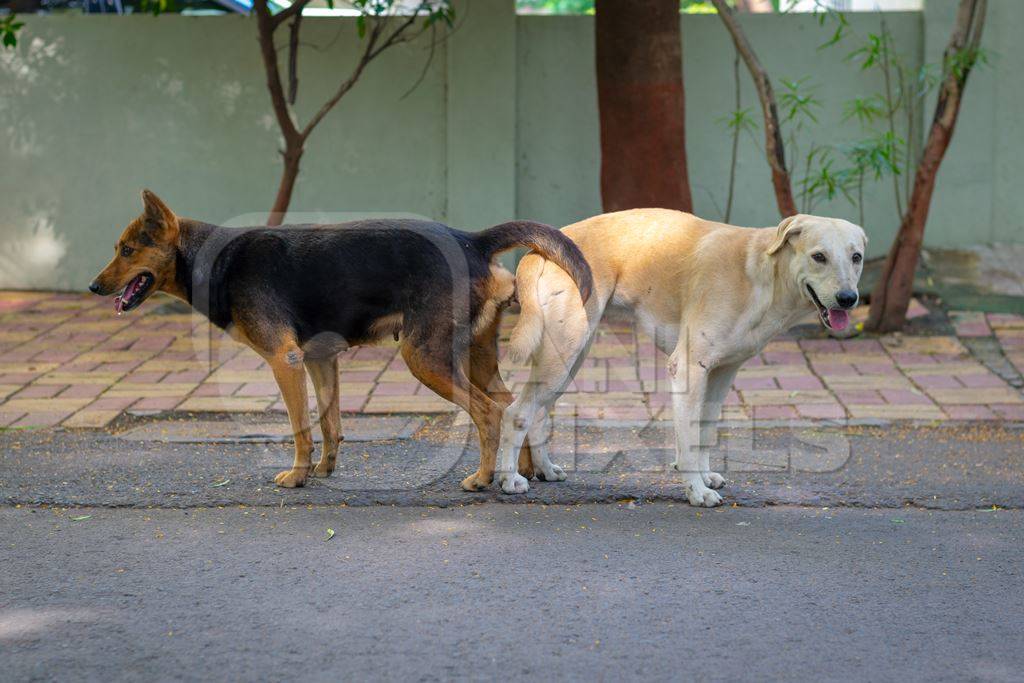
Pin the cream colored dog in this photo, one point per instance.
(711, 295)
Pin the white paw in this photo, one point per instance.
(701, 496)
(713, 480)
(551, 472)
(513, 482)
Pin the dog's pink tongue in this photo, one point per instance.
(838, 318)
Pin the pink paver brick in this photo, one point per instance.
(55, 355)
(904, 397)
(216, 389)
(837, 369)
(936, 381)
(782, 357)
(860, 397)
(862, 346)
(981, 380)
(40, 391)
(157, 403)
(910, 358)
(821, 411)
(144, 377)
(774, 412)
(259, 389)
(83, 391)
(798, 383)
(882, 369)
(351, 403)
(970, 412)
(42, 419)
(1009, 411)
(747, 383)
(184, 377)
(973, 329)
(111, 403)
(9, 417)
(396, 388)
(821, 345)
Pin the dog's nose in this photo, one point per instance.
(94, 287)
(846, 298)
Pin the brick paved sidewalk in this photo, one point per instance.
(66, 359)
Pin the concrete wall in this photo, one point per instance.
(504, 124)
(558, 140)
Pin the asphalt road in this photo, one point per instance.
(605, 592)
(964, 467)
(842, 554)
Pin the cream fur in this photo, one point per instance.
(712, 295)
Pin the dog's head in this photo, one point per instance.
(827, 259)
(144, 256)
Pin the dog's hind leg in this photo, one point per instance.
(433, 366)
(286, 362)
(484, 373)
(324, 373)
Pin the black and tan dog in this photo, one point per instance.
(299, 295)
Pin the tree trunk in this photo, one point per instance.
(891, 296)
(774, 148)
(289, 173)
(641, 105)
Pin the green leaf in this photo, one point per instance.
(361, 25)
(330, 535)
(220, 483)
(81, 518)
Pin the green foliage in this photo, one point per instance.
(865, 109)
(9, 27)
(739, 120)
(798, 101)
(587, 6)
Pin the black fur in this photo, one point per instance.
(331, 283)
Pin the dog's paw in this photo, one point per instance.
(701, 496)
(551, 473)
(323, 469)
(513, 483)
(713, 480)
(476, 482)
(292, 478)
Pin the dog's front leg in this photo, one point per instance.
(719, 382)
(291, 378)
(689, 381)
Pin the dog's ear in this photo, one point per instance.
(789, 227)
(160, 221)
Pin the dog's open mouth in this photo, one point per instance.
(133, 293)
(832, 318)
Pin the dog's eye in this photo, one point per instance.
(126, 251)
(819, 257)
(857, 258)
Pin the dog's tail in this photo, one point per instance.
(529, 330)
(543, 239)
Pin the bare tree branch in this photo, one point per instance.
(774, 147)
(292, 10)
(265, 29)
(293, 59)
